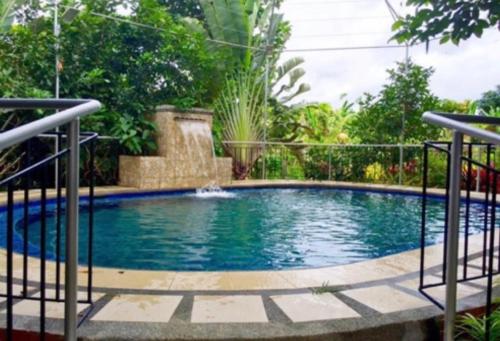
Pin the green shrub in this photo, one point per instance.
(470, 327)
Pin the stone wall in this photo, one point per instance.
(185, 154)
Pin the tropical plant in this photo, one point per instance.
(470, 327)
(7, 13)
(135, 133)
(375, 172)
(447, 20)
(240, 109)
(246, 30)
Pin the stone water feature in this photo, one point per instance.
(186, 156)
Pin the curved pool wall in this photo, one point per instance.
(391, 225)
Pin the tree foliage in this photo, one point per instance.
(312, 123)
(490, 100)
(406, 97)
(131, 69)
(448, 20)
(184, 8)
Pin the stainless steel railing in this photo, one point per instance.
(460, 126)
(71, 112)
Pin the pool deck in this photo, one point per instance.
(371, 300)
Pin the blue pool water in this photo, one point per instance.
(251, 229)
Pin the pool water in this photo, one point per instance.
(252, 229)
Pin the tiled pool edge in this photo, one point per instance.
(110, 191)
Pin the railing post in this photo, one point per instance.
(329, 163)
(264, 155)
(72, 201)
(400, 180)
(453, 236)
(478, 175)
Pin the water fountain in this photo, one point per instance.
(186, 156)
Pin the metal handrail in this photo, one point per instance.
(459, 122)
(460, 125)
(71, 112)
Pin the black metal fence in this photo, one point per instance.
(33, 195)
(473, 171)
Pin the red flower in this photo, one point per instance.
(393, 170)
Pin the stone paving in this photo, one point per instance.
(355, 296)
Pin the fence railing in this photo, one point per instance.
(372, 163)
(17, 210)
(470, 168)
(456, 179)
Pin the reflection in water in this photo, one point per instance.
(253, 229)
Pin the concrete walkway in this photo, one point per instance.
(379, 295)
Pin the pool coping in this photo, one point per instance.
(234, 280)
(111, 191)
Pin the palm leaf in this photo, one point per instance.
(6, 13)
(303, 88)
(286, 67)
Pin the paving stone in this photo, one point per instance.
(52, 309)
(311, 307)
(18, 289)
(413, 284)
(228, 309)
(385, 299)
(139, 308)
(439, 292)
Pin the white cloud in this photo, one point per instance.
(463, 72)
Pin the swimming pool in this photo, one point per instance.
(250, 229)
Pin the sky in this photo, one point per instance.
(461, 73)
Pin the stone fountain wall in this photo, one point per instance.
(185, 154)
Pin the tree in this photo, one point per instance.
(490, 100)
(405, 98)
(131, 69)
(447, 20)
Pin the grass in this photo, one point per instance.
(325, 288)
